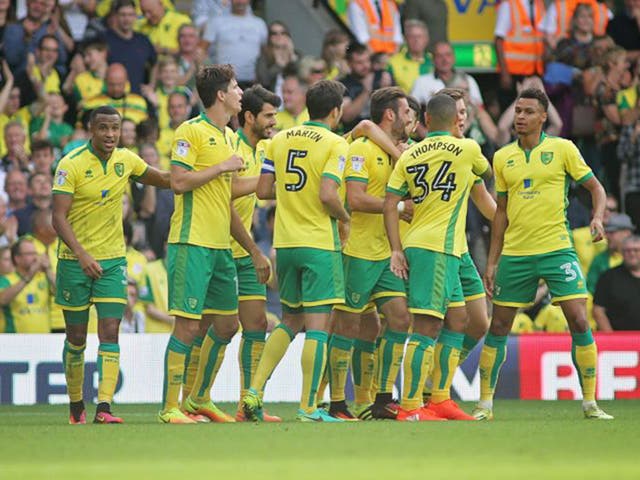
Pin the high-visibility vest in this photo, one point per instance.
(524, 46)
(380, 30)
(564, 13)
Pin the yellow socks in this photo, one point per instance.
(73, 361)
(390, 355)
(494, 353)
(191, 366)
(446, 357)
(174, 361)
(251, 348)
(108, 371)
(274, 349)
(584, 354)
(417, 363)
(211, 356)
(339, 357)
(375, 386)
(314, 359)
(362, 366)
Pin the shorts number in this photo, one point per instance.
(297, 170)
(444, 181)
(125, 276)
(571, 272)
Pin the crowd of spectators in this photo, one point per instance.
(62, 59)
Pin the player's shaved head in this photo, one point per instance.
(441, 113)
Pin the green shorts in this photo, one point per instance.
(201, 281)
(518, 276)
(472, 286)
(248, 286)
(369, 280)
(76, 291)
(309, 278)
(434, 282)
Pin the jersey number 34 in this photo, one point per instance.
(443, 181)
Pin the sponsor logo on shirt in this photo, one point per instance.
(528, 183)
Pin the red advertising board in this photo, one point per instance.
(546, 370)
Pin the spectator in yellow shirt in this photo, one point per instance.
(161, 25)
(294, 113)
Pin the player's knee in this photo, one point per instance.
(227, 329)
(578, 323)
(401, 321)
(350, 329)
(76, 337)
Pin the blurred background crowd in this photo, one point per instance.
(62, 58)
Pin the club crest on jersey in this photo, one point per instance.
(119, 169)
(546, 157)
(61, 177)
(357, 163)
(182, 148)
(341, 162)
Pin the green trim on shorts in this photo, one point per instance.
(298, 310)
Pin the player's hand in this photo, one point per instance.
(597, 229)
(406, 213)
(489, 280)
(399, 265)
(232, 164)
(89, 266)
(262, 265)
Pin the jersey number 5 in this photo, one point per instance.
(444, 181)
(292, 156)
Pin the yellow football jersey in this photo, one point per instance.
(165, 33)
(55, 311)
(23, 116)
(369, 164)
(156, 292)
(536, 185)
(245, 206)
(97, 188)
(203, 216)
(438, 173)
(299, 157)
(285, 120)
(87, 85)
(51, 82)
(28, 312)
(131, 106)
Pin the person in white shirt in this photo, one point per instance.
(237, 39)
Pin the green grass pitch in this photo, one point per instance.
(537, 440)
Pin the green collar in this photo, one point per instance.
(317, 124)
(243, 137)
(527, 153)
(95, 154)
(425, 58)
(437, 133)
(208, 120)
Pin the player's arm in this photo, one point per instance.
(360, 201)
(240, 234)
(598, 200)
(154, 312)
(483, 200)
(330, 198)
(156, 178)
(498, 227)
(61, 206)
(601, 318)
(366, 128)
(399, 265)
(242, 186)
(185, 180)
(266, 188)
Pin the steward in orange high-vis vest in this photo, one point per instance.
(523, 45)
(564, 14)
(381, 27)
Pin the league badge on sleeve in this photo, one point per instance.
(341, 163)
(357, 163)
(182, 148)
(61, 177)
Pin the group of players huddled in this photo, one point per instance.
(371, 255)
